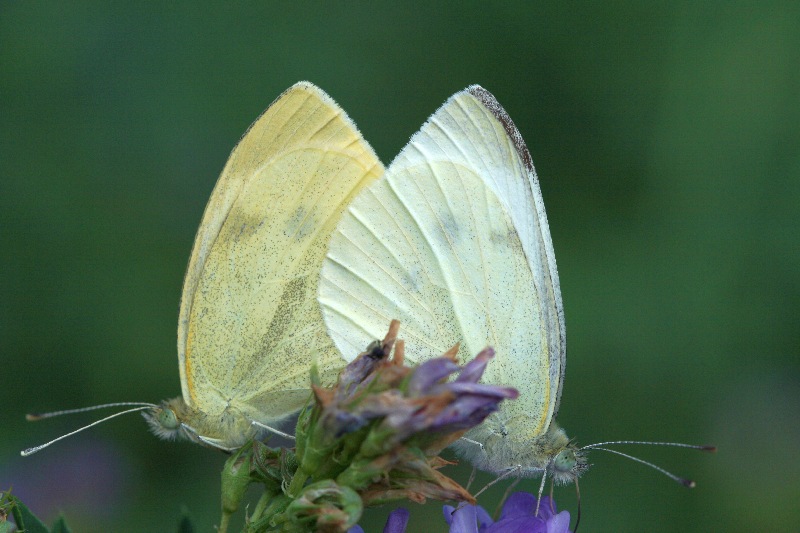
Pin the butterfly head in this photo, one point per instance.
(166, 418)
(568, 464)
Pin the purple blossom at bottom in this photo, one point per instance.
(517, 516)
(396, 523)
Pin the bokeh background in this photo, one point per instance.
(667, 140)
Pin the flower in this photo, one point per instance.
(372, 438)
(396, 523)
(517, 516)
(381, 428)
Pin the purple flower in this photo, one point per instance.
(396, 523)
(434, 406)
(380, 430)
(517, 517)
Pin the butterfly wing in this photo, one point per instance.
(249, 321)
(453, 241)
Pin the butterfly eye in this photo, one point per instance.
(167, 419)
(565, 461)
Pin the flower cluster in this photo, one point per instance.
(373, 438)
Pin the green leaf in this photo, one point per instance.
(27, 522)
(60, 526)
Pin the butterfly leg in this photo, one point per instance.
(476, 443)
(272, 430)
(197, 437)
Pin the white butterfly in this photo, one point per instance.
(453, 241)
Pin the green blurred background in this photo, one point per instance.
(666, 136)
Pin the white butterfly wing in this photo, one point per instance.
(249, 320)
(453, 241)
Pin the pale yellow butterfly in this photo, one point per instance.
(249, 322)
(453, 241)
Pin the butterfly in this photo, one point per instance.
(454, 242)
(249, 325)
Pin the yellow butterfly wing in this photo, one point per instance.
(453, 241)
(249, 320)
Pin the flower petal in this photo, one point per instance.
(464, 412)
(462, 520)
(447, 511)
(520, 524)
(429, 373)
(559, 523)
(547, 509)
(397, 521)
(520, 504)
(484, 520)
(473, 370)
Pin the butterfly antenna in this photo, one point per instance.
(673, 444)
(31, 451)
(33, 417)
(685, 482)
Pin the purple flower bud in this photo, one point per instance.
(397, 521)
(473, 370)
(448, 406)
(465, 412)
(473, 403)
(428, 374)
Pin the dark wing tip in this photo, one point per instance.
(490, 102)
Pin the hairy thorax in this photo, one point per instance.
(174, 419)
(507, 449)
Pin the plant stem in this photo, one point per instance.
(261, 505)
(298, 482)
(223, 523)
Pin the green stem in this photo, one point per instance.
(298, 482)
(262, 504)
(223, 523)
(278, 505)
(271, 514)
